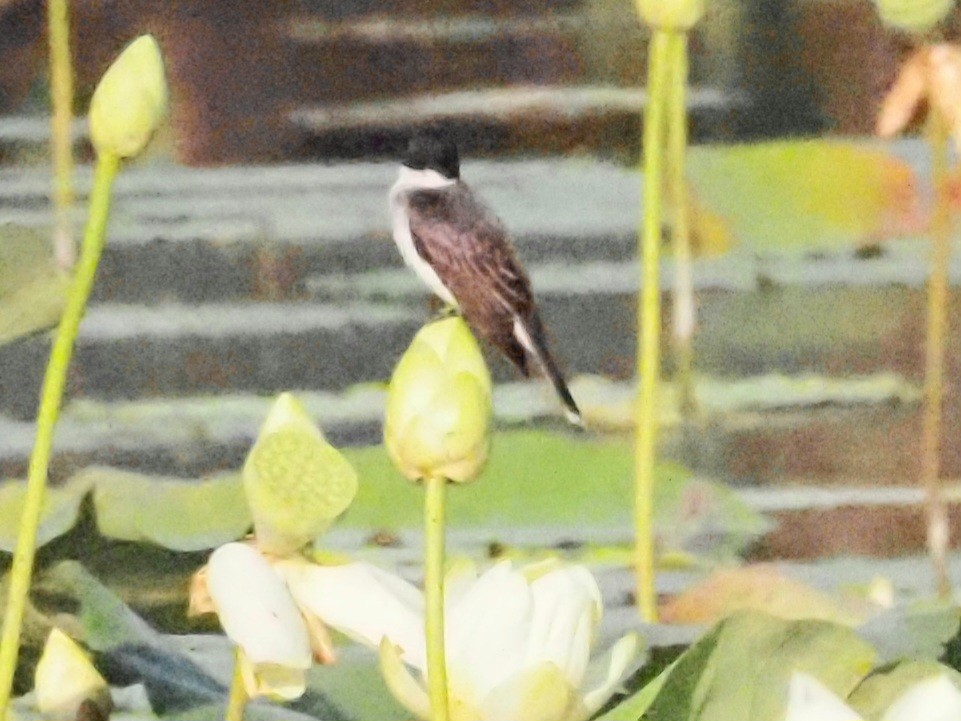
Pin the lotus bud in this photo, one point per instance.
(295, 481)
(679, 15)
(65, 679)
(913, 15)
(130, 101)
(439, 405)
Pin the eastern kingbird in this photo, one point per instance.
(462, 252)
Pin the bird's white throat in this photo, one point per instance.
(424, 179)
(407, 181)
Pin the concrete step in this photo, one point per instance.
(389, 57)
(198, 235)
(430, 8)
(603, 120)
(862, 438)
(176, 349)
(133, 351)
(25, 139)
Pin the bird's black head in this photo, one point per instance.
(433, 150)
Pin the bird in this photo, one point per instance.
(462, 252)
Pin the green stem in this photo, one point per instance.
(434, 592)
(649, 321)
(51, 395)
(683, 295)
(237, 700)
(61, 142)
(937, 516)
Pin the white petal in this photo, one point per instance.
(934, 699)
(607, 672)
(402, 685)
(460, 577)
(565, 613)
(810, 700)
(539, 694)
(255, 608)
(487, 631)
(362, 601)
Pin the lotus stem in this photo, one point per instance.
(434, 596)
(937, 515)
(50, 398)
(61, 119)
(649, 318)
(237, 699)
(684, 308)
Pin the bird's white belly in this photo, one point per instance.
(405, 243)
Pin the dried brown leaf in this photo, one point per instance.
(945, 85)
(200, 601)
(905, 96)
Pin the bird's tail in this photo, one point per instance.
(530, 334)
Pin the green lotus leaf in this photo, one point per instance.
(742, 667)
(883, 687)
(180, 514)
(61, 507)
(32, 290)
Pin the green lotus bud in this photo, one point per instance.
(130, 101)
(439, 405)
(65, 678)
(671, 14)
(296, 482)
(913, 15)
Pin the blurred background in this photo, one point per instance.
(283, 80)
(249, 252)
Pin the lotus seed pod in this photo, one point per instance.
(913, 15)
(671, 14)
(295, 481)
(130, 101)
(439, 405)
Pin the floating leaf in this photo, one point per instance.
(541, 479)
(759, 588)
(741, 669)
(61, 507)
(805, 195)
(875, 695)
(32, 290)
(106, 621)
(918, 630)
(611, 404)
(355, 685)
(171, 512)
(636, 705)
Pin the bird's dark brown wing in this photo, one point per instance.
(470, 251)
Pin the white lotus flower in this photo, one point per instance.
(276, 610)
(811, 700)
(933, 699)
(518, 644)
